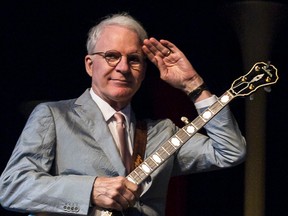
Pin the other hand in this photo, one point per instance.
(116, 193)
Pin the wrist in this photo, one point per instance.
(192, 83)
(194, 94)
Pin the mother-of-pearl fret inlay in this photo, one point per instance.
(190, 129)
(207, 115)
(175, 141)
(145, 168)
(225, 99)
(132, 180)
(156, 158)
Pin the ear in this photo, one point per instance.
(88, 64)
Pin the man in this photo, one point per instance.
(68, 159)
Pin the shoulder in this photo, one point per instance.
(63, 105)
(54, 105)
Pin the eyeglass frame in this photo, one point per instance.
(104, 55)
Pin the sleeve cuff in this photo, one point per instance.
(206, 102)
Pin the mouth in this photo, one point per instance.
(120, 81)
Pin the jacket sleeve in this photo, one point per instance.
(26, 184)
(220, 145)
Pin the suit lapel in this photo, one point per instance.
(90, 113)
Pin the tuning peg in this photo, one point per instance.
(267, 89)
(185, 120)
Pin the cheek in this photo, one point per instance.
(101, 75)
(99, 71)
(97, 77)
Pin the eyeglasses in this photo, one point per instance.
(113, 57)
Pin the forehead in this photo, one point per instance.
(118, 37)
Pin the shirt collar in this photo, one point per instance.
(107, 110)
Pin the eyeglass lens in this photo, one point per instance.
(113, 57)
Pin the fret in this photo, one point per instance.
(141, 173)
(144, 169)
(151, 163)
(211, 110)
(178, 138)
(134, 176)
(169, 147)
(184, 129)
(198, 122)
(163, 153)
(216, 107)
(182, 135)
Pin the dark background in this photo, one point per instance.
(42, 58)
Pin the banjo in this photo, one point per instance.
(260, 75)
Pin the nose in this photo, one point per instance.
(123, 64)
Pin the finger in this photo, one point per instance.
(124, 194)
(130, 193)
(150, 55)
(155, 59)
(119, 201)
(127, 202)
(155, 47)
(107, 202)
(163, 47)
(129, 196)
(113, 199)
(151, 46)
(168, 52)
(107, 193)
(169, 46)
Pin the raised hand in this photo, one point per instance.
(173, 65)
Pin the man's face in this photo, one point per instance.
(116, 84)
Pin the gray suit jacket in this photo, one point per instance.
(65, 145)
